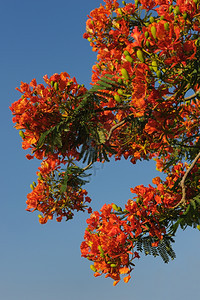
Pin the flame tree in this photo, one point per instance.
(144, 104)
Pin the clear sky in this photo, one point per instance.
(43, 261)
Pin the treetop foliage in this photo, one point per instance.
(144, 104)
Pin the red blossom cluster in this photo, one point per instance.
(110, 237)
(107, 244)
(143, 104)
(38, 110)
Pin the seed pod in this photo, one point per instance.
(124, 73)
(21, 134)
(34, 184)
(113, 265)
(154, 65)
(123, 2)
(115, 207)
(117, 98)
(198, 227)
(56, 86)
(146, 34)
(92, 267)
(162, 17)
(153, 31)
(151, 19)
(120, 81)
(52, 83)
(166, 26)
(129, 58)
(140, 55)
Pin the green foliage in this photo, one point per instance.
(164, 248)
(189, 217)
(73, 177)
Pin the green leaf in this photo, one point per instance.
(103, 84)
(193, 204)
(63, 187)
(101, 135)
(105, 155)
(187, 210)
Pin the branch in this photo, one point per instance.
(182, 183)
(87, 167)
(114, 127)
(112, 108)
(118, 125)
(184, 99)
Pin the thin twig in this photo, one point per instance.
(182, 183)
(114, 127)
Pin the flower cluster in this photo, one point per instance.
(108, 245)
(39, 110)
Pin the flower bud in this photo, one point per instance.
(129, 58)
(92, 267)
(56, 86)
(166, 26)
(117, 98)
(154, 65)
(124, 73)
(140, 55)
(151, 19)
(153, 31)
(159, 74)
(21, 134)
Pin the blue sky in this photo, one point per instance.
(43, 261)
